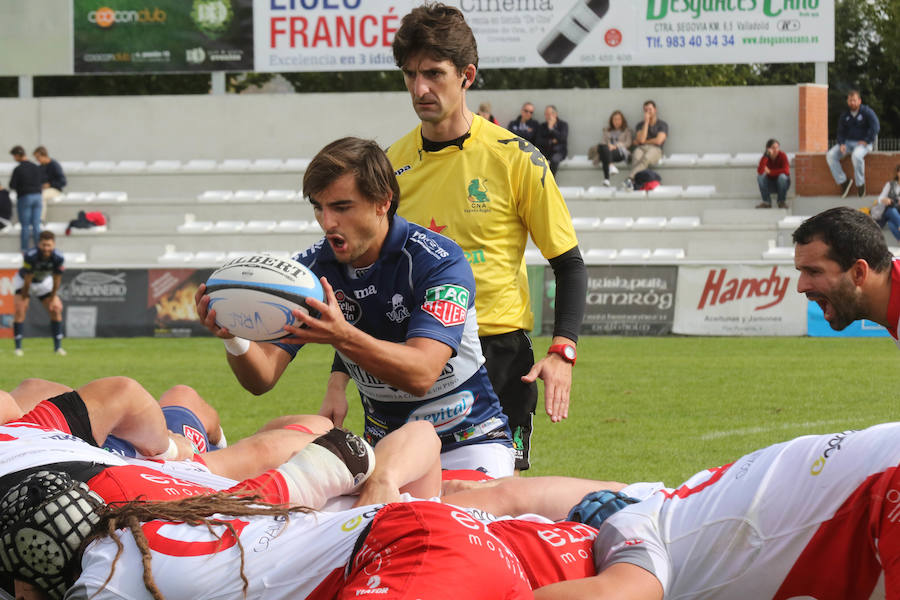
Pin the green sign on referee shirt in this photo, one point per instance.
(141, 36)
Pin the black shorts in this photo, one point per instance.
(66, 413)
(508, 356)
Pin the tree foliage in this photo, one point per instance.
(866, 49)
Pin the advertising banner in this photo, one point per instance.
(818, 327)
(170, 297)
(131, 36)
(347, 35)
(623, 300)
(6, 302)
(739, 300)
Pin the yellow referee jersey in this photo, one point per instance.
(487, 197)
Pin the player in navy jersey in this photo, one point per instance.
(40, 275)
(399, 311)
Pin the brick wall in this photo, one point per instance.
(813, 178)
(812, 120)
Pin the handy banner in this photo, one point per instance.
(348, 35)
(132, 36)
(622, 300)
(819, 327)
(739, 300)
(6, 302)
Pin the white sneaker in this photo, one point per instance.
(606, 183)
(61, 351)
(613, 169)
(19, 352)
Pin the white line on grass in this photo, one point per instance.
(714, 435)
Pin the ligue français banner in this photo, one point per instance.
(131, 36)
(739, 300)
(348, 35)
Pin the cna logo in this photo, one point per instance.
(105, 17)
(477, 192)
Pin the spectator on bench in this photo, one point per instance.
(773, 175)
(856, 132)
(553, 137)
(650, 135)
(615, 145)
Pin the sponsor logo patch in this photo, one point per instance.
(195, 438)
(447, 303)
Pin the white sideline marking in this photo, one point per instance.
(714, 435)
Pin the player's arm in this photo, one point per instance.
(334, 404)
(257, 366)
(412, 366)
(27, 278)
(619, 581)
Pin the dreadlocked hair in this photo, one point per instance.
(195, 511)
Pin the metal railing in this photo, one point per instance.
(881, 144)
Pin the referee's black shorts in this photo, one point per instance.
(509, 356)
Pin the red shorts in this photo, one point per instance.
(431, 551)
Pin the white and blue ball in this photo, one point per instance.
(254, 296)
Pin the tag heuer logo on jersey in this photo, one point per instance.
(447, 304)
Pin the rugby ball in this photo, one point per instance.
(254, 295)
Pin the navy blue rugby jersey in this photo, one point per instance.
(40, 267)
(420, 286)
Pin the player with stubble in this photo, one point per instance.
(488, 190)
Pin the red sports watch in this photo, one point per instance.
(567, 351)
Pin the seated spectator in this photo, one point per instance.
(525, 126)
(890, 198)
(857, 129)
(773, 175)
(553, 137)
(484, 110)
(5, 209)
(615, 145)
(650, 135)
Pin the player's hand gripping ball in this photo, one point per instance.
(254, 296)
(598, 506)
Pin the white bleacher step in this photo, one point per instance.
(57, 227)
(227, 227)
(75, 257)
(75, 198)
(633, 254)
(164, 166)
(173, 256)
(195, 226)
(666, 191)
(699, 191)
(267, 164)
(679, 160)
(209, 257)
(636, 195)
(792, 222)
(130, 167)
(595, 255)
(199, 165)
(72, 166)
(778, 252)
(235, 165)
(11, 259)
(99, 166)
(112, 196)
(216, 196)
(291, 226)
(667, 254)
(571, 192)
(714, 159)
(649, 223)
(259, 226)
(281, 195)
(746, 159)
(683, 222)
(578, 161)
(599, 192)
(248, 196)
(295, 164)
(616, 223)
(86, 230)
(284, 254)
(585, 223)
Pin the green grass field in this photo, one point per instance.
(643, 409)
